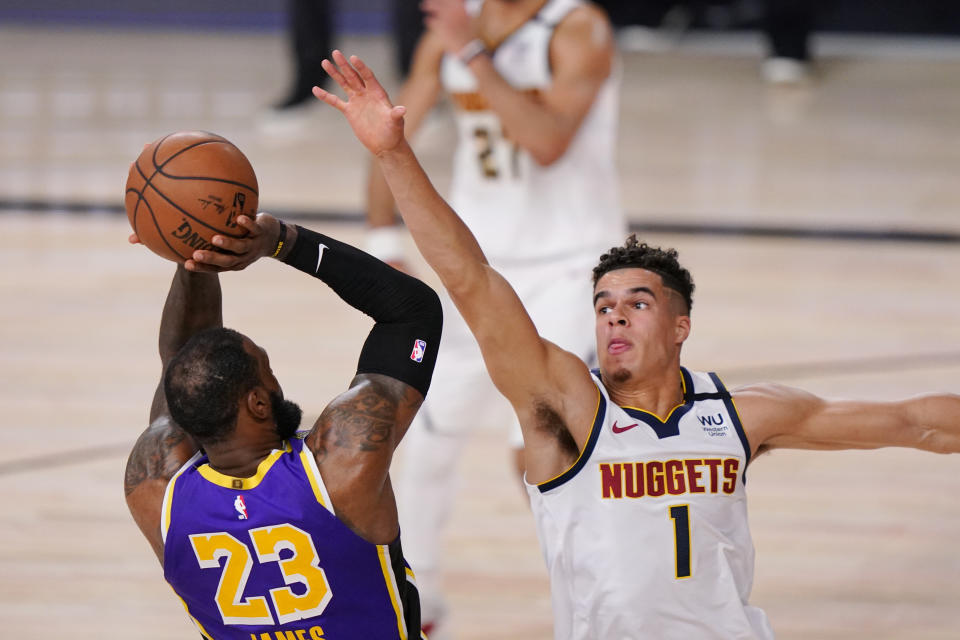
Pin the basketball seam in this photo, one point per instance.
(163, 237)
(150, 184)
(160, 167)
(142, 198)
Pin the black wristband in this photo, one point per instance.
(404, 341)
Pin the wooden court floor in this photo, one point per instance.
(849, 544)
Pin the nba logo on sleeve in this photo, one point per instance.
(419, 346)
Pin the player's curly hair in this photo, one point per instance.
(205, 381)
(636, 254)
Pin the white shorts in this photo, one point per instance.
(558, 297)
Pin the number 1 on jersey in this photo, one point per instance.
(681, 530)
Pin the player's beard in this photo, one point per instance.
(621, 375)
(286, 415)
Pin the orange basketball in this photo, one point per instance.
(187, 187)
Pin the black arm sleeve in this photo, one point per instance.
(404, 341)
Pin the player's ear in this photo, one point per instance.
(682, 329)
(257, 402)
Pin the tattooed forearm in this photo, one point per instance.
(157, 454)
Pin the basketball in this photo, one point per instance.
(187, 187)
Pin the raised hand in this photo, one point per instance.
(239, 253)
(451, 22)
(377, 124)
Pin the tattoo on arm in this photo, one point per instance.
(156, 455)
(366, 418)
(364, 423)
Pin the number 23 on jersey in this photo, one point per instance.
(302, 567)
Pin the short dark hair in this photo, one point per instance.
(634, 254)
(205, 382)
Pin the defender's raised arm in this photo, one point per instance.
(779, 417)
(550, 389)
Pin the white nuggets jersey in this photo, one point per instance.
(515, 207)
(646, 535)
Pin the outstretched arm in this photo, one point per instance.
(549, 388)
(193, 304)
(419, 93)
(775, 416)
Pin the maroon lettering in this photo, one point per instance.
(730, 467)
(654, 476)
(675, 481)
(693, 475)
(714, 464)
(610, 480)
(634, 480)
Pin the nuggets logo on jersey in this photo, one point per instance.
(655, 478)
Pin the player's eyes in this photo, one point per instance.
(603, 310)
(640, 304)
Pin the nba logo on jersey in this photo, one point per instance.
(241, 507)
(419, 346)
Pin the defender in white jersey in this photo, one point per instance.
(636, 474)
(534, 177)
(668, 496)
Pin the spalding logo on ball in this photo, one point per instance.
(186, 188)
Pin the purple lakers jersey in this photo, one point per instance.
(265, 558)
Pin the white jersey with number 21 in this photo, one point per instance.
(516, 208)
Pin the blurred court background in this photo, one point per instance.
(820, 221)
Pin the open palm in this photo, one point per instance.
(375, 121)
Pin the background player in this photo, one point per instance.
(254, 507)
(535, 97)
(641, 518)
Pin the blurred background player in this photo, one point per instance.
(310, 32)
(786, 25)
(222, 472)
(534, 89)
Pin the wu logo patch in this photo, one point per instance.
(419, 348)
(241, 507)
(713, 424)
